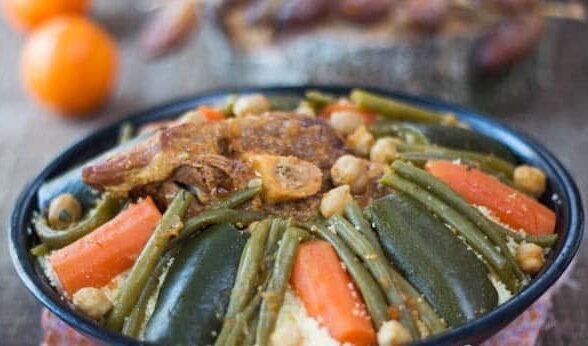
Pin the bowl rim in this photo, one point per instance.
(19, 227)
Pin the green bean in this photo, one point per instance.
(211, 217)
(275, 234)
(126, 132)
(426, 312)
(237, 198)
(395, 109)
(276, 230)
(102, 213)
(273, 297)
(368, 287)
(354, 214)
(471, 234)
(169, 225)
(447, 195)
(487, 162)
(541, 240)
(249, 339)
(248, 275)
(242, 319)
(406, 133)
(319, 99)
(134, 324)
(377, 265)
(40, 250)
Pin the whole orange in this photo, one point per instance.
(28, 14)
(69, 64)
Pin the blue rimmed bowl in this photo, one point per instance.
(562, 196)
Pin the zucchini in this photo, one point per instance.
(197, 288)
(451, 277)
(445, 136)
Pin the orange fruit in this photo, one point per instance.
(69, 64)
(27, 14)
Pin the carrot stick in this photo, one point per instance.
(211, 113)
(329, 295)
(95, 259)
(368, 117)
(509, 205)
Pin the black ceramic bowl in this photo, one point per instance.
(562, 196)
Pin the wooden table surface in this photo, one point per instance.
(29, 138)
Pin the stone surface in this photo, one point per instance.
(30, 137)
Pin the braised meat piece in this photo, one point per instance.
(281, 133)
(211, 158)
(156, 158)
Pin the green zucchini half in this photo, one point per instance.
(197, 288)
(451, 277)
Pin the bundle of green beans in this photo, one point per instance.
(260, 286)
(477, 230)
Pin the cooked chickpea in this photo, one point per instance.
(384, 150)
(352, 171)
(376, 170)
(64, 210)
(335, 200)
(530, 180)
(345, 122)
(392, 333)
(530, 257)
(251, 105)
(361, 141)
(92, 301)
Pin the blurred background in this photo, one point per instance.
(524, 62)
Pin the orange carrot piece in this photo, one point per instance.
(368, 117)
(510, 206)
(329, 295)
(95, 259)
(211, 113)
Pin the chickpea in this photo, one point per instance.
(64, 210)
(393, 333)
(352, 171)
(361, 141)
(530, 180)
(530, 257)
(335, 200)
(254, 104)
(345, 122)
(92, 301)
(377, 170)
(384, 150)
